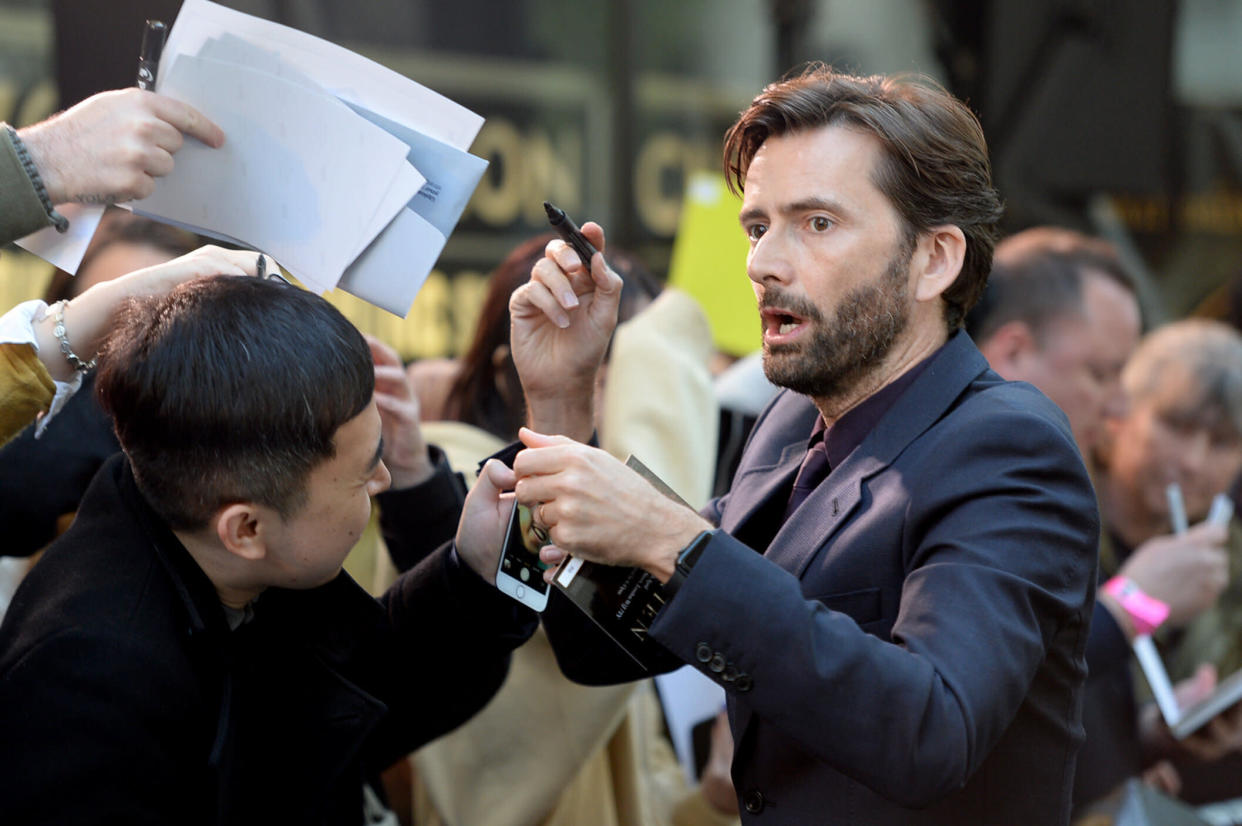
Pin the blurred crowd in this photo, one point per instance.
(1155, 413)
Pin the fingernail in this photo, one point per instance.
(562, 321)
(569, 299)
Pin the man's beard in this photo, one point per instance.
(841, 354)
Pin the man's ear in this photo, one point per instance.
(945, 250)
(1008, 347)
(241, 529)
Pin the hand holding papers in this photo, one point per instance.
(346, 172)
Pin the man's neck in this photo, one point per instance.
(905, 354)
(232, 590)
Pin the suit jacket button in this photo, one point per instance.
(753, 801)
(703, 652)
(717, 662)
(743, 683)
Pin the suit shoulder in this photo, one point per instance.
(1014, 408)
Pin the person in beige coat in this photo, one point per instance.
(551, 752)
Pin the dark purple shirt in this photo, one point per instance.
(853, 427)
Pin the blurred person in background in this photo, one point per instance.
(1182, 424)
(1060, 312)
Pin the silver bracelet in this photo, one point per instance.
(58, 330)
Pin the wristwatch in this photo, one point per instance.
(685, 562)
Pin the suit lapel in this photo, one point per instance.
(769, 481)
(830, 505)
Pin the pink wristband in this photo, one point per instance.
(1147, 613)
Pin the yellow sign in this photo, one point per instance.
(709, 262)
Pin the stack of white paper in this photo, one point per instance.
(347, 173)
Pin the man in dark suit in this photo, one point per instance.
(895, 592)
(190, 650)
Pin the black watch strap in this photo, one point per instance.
(685, 563)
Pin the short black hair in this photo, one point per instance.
(230, 389)
(1037, 277)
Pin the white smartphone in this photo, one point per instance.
(520, 572)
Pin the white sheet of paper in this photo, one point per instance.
(391, 271)
(65, 250)
(299, 176)
(229, 48)
(688, 698)
(350, 76)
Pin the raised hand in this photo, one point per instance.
(561, 323)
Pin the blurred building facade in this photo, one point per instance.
(1115, 117)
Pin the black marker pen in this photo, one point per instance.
(570, 233)
(149, 58)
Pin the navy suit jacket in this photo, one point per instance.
(909, 647)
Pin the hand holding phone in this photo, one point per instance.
(520, 571)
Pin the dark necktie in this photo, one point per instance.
(813, 471)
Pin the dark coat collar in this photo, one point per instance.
(780, 442)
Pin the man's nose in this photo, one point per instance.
(768, 260)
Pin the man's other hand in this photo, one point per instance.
(1187, 572)
(561, 323)
(597, 508)
(484, 518)
(405, 450)
(112, 146)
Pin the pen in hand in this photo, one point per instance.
(570, 233)
(153, 35)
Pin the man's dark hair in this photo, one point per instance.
(935, 167)
(1037, 277)
(231, 389)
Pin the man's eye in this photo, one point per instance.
(755, 231)
(820, 224)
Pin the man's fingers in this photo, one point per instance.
(1209, 532)
(382, 353)
(497, 476)
(536, 295)
(554, 277)
(187, 119)
(531, 438)
(163, 135)
(552, 555)
(390, 375)
(158, 163)
(594, 233)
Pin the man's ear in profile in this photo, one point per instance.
(242, 530)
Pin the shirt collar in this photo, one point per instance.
(850, 430)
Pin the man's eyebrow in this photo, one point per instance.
(811, 204)
(752, 214)
(379, 454)
(814, 203)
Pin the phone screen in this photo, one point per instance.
(520, 558)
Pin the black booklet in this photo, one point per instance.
(622, 601)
